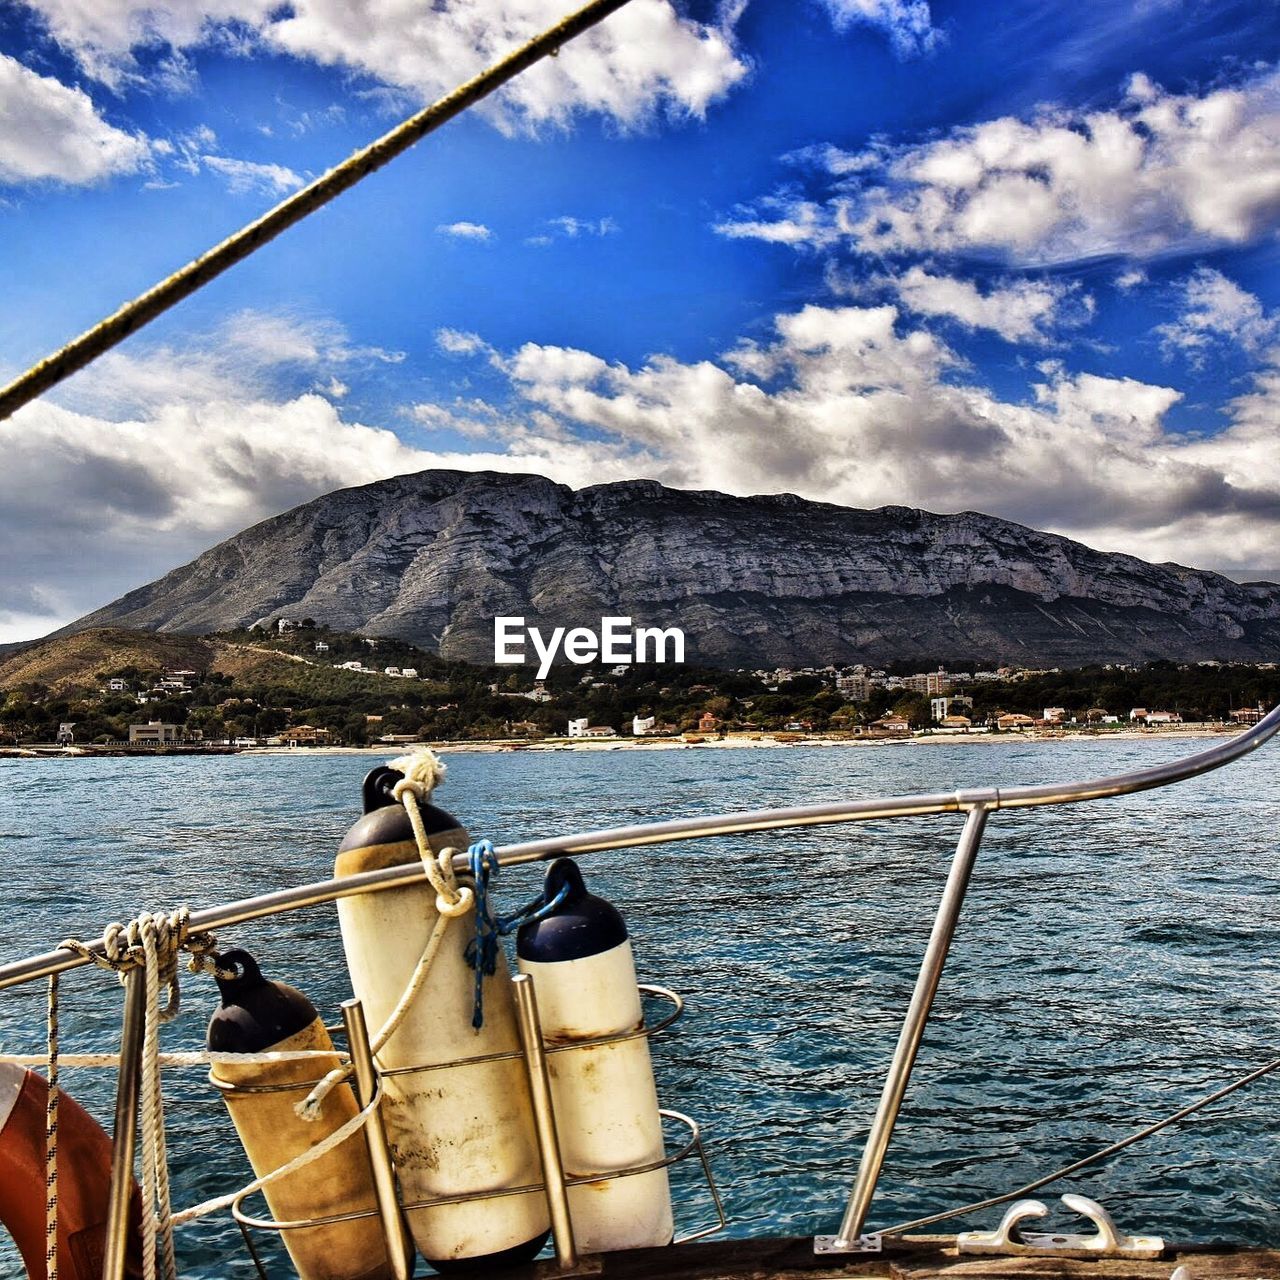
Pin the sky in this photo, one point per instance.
(1019, 258)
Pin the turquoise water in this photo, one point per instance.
(1113, 962)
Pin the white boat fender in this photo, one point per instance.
(454, 1130)
(259, 1016)
(606, 1105)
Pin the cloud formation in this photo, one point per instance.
(1019, 311)
(849, 404)
(1215, 310)
(465, 230)
(149, 458)
(907, 23)
(246, 176)
(51, 132)
(1159, 173)
(642, 63)
(146, 459)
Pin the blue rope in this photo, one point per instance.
(483, 951)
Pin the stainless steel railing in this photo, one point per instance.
(976, 804)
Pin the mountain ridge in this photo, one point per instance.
(432, 557)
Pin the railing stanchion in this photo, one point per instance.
(904, 1056)
(124, 1138)
(400, 1251)
(544, 1120)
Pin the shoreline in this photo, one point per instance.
(764, 741)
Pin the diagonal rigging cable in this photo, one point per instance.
(133, 315)
(917, 1224)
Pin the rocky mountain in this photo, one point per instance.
(432, 558)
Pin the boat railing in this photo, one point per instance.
(975, 804)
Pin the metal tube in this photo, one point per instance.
(124, 1139)
(544, 1120)
(904, 1056)
(310, 895)
(400, 1251)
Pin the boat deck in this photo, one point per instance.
(912, 1258)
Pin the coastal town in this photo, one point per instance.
(300, 686)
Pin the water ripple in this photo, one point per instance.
(1113, 962)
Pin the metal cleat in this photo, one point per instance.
(1007, 1238)
(861, 1244)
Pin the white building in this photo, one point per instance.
(409, 673)
(578, 728)
(853, 688)
(154, 733)
(321, 647)
(642, 725)
(117, 685)
(945, 705)
(286, 624)
(1055, 715)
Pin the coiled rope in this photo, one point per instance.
(153, 943)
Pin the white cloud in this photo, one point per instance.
(830, 158)
(642, 62)
(252, 355)
(245, 176)
(197, 151)
(102, 34)
(574, 227)
(465, 230)
(50, 131)
(1160, 173)
(455, 342)
(568, 227)
(1130, 278)
(1216, 309)
(907, 23)
(789, 220)
(147, 459)
(849, 405)
(1019, 311)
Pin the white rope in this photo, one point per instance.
(181, 1058)
(152, 942)
(322, 1148)
(158, 1211)
(423, 771)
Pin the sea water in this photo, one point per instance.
(1113, 962)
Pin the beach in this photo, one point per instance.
(730, 742)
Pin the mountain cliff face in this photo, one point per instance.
(432, 558)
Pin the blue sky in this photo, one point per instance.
(1019, 258)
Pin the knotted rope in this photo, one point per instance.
(482, 953)
(152, 942)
